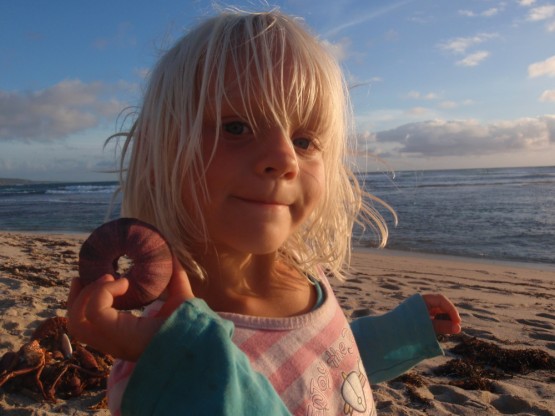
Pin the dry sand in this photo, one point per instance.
(505, 305)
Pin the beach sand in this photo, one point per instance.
(508, 313)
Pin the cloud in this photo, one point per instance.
(432, 96)
(416, 95)
(473, 59)
(448, 104)
(363, 18)
(541, 68)
(54, 113)
(418, 111)
(491, 12)
(340, 50)
(486, 13)
(548, 96)
(470, 137)
(58, 165)
(467, 13)
(541, 13)
(461, 44)
(526, 3)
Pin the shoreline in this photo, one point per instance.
(354, 249)
(503, 305)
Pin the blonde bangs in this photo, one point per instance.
(284, 77)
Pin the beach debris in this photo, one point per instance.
(415, 386)
(467, 376)
(482, 361)
(521, 361)
(65, 346)
(47, 365)
(41, 276)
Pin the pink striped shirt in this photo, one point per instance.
(311, 360)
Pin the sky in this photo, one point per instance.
(434, 84)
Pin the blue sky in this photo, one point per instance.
(435, 84)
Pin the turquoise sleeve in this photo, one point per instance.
(192, 367)
(393, 343)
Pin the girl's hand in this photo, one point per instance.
(94, 321)
(444, 315)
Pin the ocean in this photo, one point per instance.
(499, 214)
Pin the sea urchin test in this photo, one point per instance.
(148, 251)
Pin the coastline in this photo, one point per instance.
(389, 252)
(505, 304)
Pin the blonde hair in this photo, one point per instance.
(161, 161)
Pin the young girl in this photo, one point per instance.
(238, 156)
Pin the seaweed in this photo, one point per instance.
(513, 361)
(411, 379)
(481, 362)
(468, 376)
(412, 382)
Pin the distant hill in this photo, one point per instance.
(14, 181)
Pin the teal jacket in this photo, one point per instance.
(192, 367)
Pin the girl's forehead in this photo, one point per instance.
(274, 87)
(259, 107)
(281, 75)
(253, 89)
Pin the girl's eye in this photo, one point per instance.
(236, 128)
(305, 144)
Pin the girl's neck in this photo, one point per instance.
(258, 285)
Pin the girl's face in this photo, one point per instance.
(262, 184)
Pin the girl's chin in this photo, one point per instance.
(250, 249)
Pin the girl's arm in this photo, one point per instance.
(392, 343)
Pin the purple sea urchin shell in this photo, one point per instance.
(143, 245)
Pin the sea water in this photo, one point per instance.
(506, 214)
(57, 207)
(503, 214)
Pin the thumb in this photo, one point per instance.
(179, 290)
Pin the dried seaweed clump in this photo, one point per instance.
(411, 379)
(483, 361)
(513, 361)
(468, 376)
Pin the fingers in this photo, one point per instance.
(444, 314)
(118, 333)
(443, 327)
(93, 320)
(439, 304)
(99, 307)
(79, 312)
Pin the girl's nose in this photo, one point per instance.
(278, 158)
